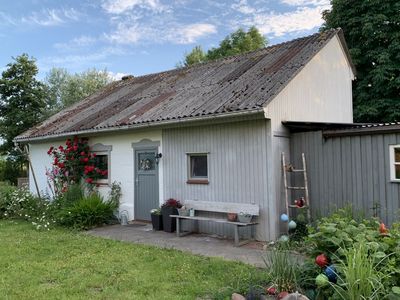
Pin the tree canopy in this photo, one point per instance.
(66, 89)
(237, 42)
(372, 32)
(23, 100)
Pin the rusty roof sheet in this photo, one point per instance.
(240, 83)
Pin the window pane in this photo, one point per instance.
(198, 166)
(101, 162)
(397, 154)
(147, 161)
(397, 168)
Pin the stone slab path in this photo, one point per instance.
(195, 243)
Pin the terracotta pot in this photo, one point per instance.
(232, 217)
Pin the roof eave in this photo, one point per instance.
(164, 123)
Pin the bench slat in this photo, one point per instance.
(217, 220)
(223, 207)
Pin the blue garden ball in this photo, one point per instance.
(284, 218)
(330, 272)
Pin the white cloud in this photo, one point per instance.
(306, 2)
(243, 7)
(122, 6)
(279, 24)
(126, 34)
(6, 19)
(190, 33)
(172, 33)
(116, 76)
(76, 43)
(52, 17)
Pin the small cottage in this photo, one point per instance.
(211, 132)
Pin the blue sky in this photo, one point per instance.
(140, 36)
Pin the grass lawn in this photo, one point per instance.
(58, 264)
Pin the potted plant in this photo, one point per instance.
(156, 219)
(170, 207)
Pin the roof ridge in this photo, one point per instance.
(335, 30)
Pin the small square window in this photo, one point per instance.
(394, 163)
(101, 162)
(198, 168)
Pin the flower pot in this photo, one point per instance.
(244, 218)
(168, 222)
(232, 217)
(157, 222)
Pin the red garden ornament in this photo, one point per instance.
(322, 260)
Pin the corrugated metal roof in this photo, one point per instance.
(235, 84)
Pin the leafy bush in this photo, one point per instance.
(21, 204)
(87, 212)
(5, 193)
(339, 236)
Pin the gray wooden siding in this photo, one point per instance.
(349, 169)
(237, 168)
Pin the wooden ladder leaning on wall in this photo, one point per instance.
(288, 168)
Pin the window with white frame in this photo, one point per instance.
(198, 168)
(395, 163)
(102, 157)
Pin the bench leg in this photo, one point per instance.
(236, 231)
(178, 227)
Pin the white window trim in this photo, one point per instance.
(100, 149)
(393, 163)
(193, 179)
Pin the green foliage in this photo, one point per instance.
(237, 42)
(283, 270)
(372, 32)
(87, 213)
(11, 170)
(5, 194)
(22, 100)
(339, 235)
(21, 204)
(361, 276)
(66, 89)
(73, 163)
(115, 193)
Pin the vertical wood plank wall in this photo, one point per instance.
(349, 169)
(237, 168)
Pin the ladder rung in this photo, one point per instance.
(297, 170)
(295, 206)
(296, 187)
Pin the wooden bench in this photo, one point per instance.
(219, 207)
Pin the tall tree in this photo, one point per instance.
(22, 100)
(237, 42)
(372, 32)
(66, 89)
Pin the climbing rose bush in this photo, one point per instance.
(73, 163)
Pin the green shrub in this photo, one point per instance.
(282, 270)
(71, 196)
(5, 193)
(21, 204)
(339, 235)
(87, 213)
(361, 276)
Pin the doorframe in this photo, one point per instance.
(144, 144)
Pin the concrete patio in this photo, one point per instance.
(195, 243)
